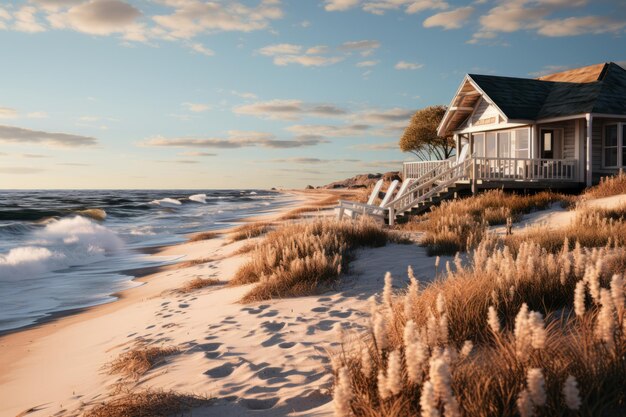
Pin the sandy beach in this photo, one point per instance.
(270, 356)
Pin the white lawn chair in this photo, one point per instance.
(353, 208)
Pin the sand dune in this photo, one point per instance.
(270, 357)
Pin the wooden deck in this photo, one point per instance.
(516, 173)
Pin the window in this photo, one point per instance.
(610, 146)
(479, 144)
(504, 145)
(521, 143)
(624, 145)
(491, 147)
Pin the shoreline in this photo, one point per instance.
(23, 349)
(145, 272)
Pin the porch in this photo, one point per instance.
(490, 172)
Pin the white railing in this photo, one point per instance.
(419, 168)
(525, 169)
(423, 190)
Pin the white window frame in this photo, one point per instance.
(512, 139)
(618, 146)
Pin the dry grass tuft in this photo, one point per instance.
(196, 237)
(298, 212)
(459, 225)
(194, 262)
(148, 403)
(609, 186)
(298, 258)
(591, 228)
(531, 334)
(198, 283)
(136, 362)
(248, 231)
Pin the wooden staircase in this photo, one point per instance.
(441, 183)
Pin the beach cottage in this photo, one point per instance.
(563, 129)
(559, 131)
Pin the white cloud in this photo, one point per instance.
(306, 60)
(11, 134)
(196, 107)
(340, 5)
(289, 110)
(547, 18)
(8, 113)
(280, 49)
(396, 114)
(367, 63)
(4, 16)
(364, 47)
(421, 5)
(385, 146)
(573, 26)
(193, 17)
(98, 17)
(331, 131)
(235, 140)
(37, 115)
(26, 20)
(453, 19)
(379, 7)
(194, 153)
(286, 53)
(201, 49)
(316, 50)
(249, 96)
(404, 65)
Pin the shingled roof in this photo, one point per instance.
(550, 96)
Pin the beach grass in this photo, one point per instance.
(137, 361)
(249, 231)
(197, 237)
(148, 403)
(298, 258)
(531, 333)
(198, 283)
(608, 186)
(458, 225)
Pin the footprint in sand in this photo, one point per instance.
(259, 404)
(274, 340)
(340, 314)
(273, 326)
(271, 313)
(286, 345)
(320, 309)
(221, 371)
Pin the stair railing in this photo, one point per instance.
(421, 191)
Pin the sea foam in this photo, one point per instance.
(198, 198)
(62, 243)
(166, 202)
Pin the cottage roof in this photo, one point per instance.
(595, 89)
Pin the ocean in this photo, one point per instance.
(62, 250)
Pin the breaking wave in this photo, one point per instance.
(61, 244)
(96, 214)
(199, 198)
(166, 202)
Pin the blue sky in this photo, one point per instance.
(258, 93)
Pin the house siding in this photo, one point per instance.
(484, 110)
(598, 170)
